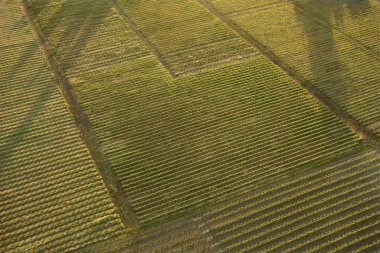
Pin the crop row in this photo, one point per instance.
(334, 207)
(177, 143)
(236, 6)
(209, 55)
(52, 197)
(182, 235)
(300, 183)
(358, 20)
(336, 65)
(151, 161)
(172, 27)
(86, 36)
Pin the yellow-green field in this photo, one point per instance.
(189, 126)
(179, 142)
(360, 21)
(52, 197)
(186, 35)
(332, 209)
(342, 63)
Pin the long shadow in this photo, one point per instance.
(64, 31)
(12, 80)
(22, 60)
(25, 126)
(77, 20)
(322, 49)
(330, 69)
(80, 25)
(325, 67)
(322, 52)
(359, 8)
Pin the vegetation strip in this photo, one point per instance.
(110, 179)
(52, 197)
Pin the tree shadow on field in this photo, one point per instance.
(322, 52)
(327, 66)
(36, 105)
(72, 25)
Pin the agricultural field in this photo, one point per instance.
(334, 51)
(186, 36)
(189, 126)
(350, 19)
(182, 235)
(164, 124)
(236, 6)
(85, 35)
(151, 127)
(334, 208)
(52, 197)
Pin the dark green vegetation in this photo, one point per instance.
(216, 126)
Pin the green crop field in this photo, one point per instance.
(189, 126)
(86, 35)
(338, 66)
(332, 209)
(225, 130)
(51, 193)
(185, 34)
(164, 126)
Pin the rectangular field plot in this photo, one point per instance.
(185, 34)
(52, 198)
(86, 35)
(337, 66)
(177, 143)
(360, 20)
(330, 209)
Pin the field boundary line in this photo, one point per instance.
(347, 119)
(123, 243)
(143, 38)
(110, 179)
(251, 9)
(232, 59)
(200, 46)
(198, 217)
(374, 126)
